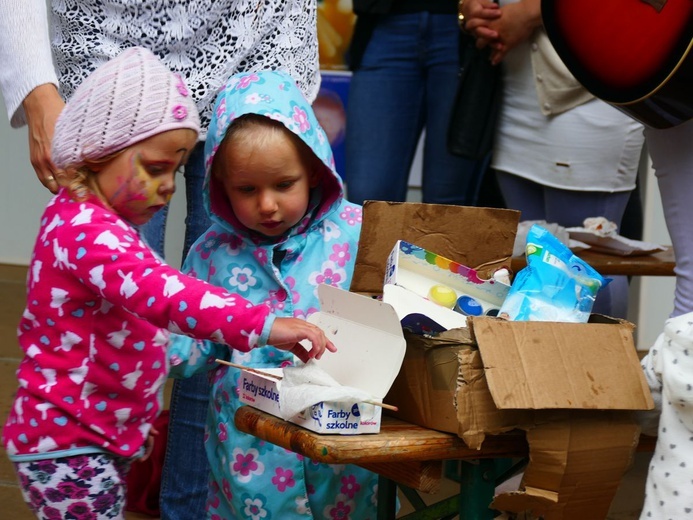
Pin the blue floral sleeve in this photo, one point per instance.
(187, 356)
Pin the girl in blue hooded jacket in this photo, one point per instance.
(281, 227)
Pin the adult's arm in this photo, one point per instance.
(25, 54)
(28, 79)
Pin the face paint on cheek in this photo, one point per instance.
(141, 186)
(147, 186)
(131, 186)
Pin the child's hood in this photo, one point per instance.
(273, 94)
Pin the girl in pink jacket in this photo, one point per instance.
(100, 303)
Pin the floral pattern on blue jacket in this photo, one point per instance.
(251, 478)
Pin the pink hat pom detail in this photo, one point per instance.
(179, 112)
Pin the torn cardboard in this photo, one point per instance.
(570, 386)
(577, 459)
(530, 366)
(498, 376)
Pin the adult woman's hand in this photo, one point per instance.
(287, 332)
(475, 16)
(42, 106)
(517, 24)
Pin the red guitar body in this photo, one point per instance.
(633, 54)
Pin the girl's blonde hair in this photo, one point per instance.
(79, 178)
(239, 134)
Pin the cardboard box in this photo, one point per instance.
(262, 392)
(526, 367)
(570, 386)
(370, 351)
(481, 238)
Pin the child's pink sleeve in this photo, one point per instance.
(110, 258)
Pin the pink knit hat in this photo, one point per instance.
(124, 101)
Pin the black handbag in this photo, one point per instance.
(477, 103)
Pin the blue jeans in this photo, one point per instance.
(406, 82)
(196, 218)
(186, 470)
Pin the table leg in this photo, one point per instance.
(477, 485)
(387, 499)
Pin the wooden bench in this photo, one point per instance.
(406, 455)
(656, 264)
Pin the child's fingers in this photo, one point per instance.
(330, 346)
(319, 343)
(148, 446)
(318, 352)
(287, 332)
(315, 351)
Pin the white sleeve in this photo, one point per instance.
(25, 53)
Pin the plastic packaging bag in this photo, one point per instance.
(556, 285)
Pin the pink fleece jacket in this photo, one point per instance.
(100, 306)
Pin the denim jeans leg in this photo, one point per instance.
(197, 219)
(186, 470)
(154, 232)
(406, 82)
(385, 112)
(446, 178)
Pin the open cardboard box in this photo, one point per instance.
(370, 351)
(571, 386)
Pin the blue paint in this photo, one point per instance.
(468, 306)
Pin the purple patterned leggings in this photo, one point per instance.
(83, 487)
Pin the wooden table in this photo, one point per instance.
(402, 453)
(656, 264)
(409, 456)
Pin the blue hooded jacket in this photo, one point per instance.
(251, 477)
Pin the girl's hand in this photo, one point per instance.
(287, 332)
(42, 106)
(149, 444)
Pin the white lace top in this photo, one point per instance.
(205, 40)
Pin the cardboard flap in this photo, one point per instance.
(541, 365)
(468, 235)
(424, 388)
(530, 499)
(477, 414)
(368, 336)
(577, 459)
